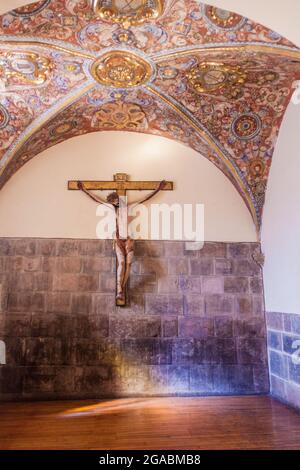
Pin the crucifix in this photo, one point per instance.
(117, 201)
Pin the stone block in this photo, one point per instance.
(68, 351)
(238, 250)
(224, 267)
(246, 268)
(143, 283)
(244, 305)
(30, 281)
(178, 379)
(219, 351)
(277, 387)
(26, 247)
(241, 379)
(291, 343)
(87, 352)
(258, 306)
(13, 263)
(195, 327)
(92, 247)
(148, 351)
(96, 380)
(15, 350)
(218, 304)
(68, 264)
(97, 326)
(189, 285)
(193, 304)
(89, 283)
(65, 282)
(168, 285)
(67, 247)
(42, 351)
(170, 327)
(256, 285)
(49, 264)
(12, 379)
(287, 322)
(154, 266)
(222, 378)
(252, 351)
(274, 321)
(43, 282)
(164, 304)
(294, 369)
(46, 247)
(236, 285)
(213, 250)
(278, 364)
(174, 249)
(149, 249)
(58, 302)
(64, 381)
(107, 283)
(275, 340)
(32, 263)
(18, 325)
(187, 351)
(97, 264)
(213, 285)
(201, 267)
(293, 394)
(157, 379)
(223, 327)
(130, 379)
(261, 379)
(134, 327)
(178, 266)
(39, 379)
(50, 325)
(104, 303)
(295, 320)
(26, 301)
(201, 379)
(250, 327)
(21, 281)
(81, 304)
(7, 247)
(110, 352)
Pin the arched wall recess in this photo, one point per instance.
(211, 79)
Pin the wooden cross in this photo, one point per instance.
(121, 185)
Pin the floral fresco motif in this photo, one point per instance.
(21, 69)
(4, 117)
(119, 116)
(31, 9)
(209, 78)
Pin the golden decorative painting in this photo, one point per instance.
(121, 69)
(128, 12)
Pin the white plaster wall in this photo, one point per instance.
(281, 221)
(36, 203)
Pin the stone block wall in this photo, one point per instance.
(195, 324)
(284, 356)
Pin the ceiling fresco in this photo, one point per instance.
(208, 78)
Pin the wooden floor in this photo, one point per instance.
(151, 423)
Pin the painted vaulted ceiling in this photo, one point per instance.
(211, 79)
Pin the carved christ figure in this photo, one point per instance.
(124, 247)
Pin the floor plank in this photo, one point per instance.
(151, 423)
